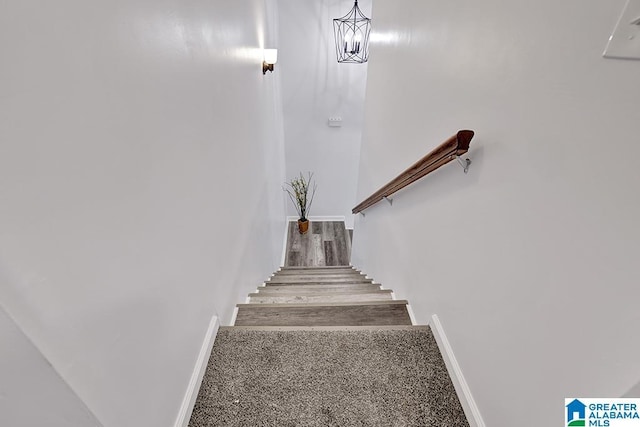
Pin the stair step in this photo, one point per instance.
(321, 268)
(316, 270)
(393, 302)
(357, 291)
(319, 277)
(318, 298)
(338, 314)
(317, 280)
(319, 287)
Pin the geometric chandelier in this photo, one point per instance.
(352, 36)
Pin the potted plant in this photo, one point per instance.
(298, 191)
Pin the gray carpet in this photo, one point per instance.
(326, 378)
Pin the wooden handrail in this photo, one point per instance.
(456, 145)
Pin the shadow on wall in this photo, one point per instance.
(429, 186)
(633, 391)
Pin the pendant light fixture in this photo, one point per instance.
(352, 36)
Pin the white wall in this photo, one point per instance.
(141, 159)
(29, 382)
(530, 260)
(315, 87)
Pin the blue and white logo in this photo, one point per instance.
(605, 412)
(576, 413)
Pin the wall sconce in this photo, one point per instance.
(270, 58)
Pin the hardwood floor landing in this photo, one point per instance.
(327, 243)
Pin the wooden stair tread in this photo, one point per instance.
(325, 292)
(337, 304)
(373, 313)
(319, 277)
(317, 298)
(295, 286)
(318, 267)
(298, 280)
(321, 291)
(312, 299)
(318, 272)
(319, 283)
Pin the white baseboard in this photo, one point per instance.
(284, 242)
(327, 218)
(411, 316)
(462, 389)
(234, 316)
(198, 373)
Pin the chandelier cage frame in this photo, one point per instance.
(352, 36)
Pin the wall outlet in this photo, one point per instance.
(335, 122)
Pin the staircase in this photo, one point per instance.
(325, 346)
(321, 296)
